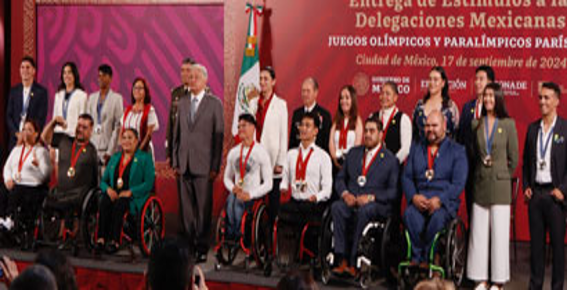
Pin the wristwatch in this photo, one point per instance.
(371, 198)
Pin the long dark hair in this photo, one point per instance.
(500, 108)
(147, 97)
(445, 91)
(75, 72)
(353, 112)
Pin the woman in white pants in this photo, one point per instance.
(496, 160)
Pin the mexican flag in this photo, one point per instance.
(250, 68)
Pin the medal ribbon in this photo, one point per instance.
(75, 157)
(242, 166)
(302, 165)
(365, 169)
(24, 158)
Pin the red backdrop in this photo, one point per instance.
(332, 41)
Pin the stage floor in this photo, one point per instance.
(121, 266)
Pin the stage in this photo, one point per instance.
(119, 272)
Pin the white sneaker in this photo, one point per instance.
(495, 287)
(481, 286)
(8, 223)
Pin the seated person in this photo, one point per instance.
(368, 186)
(126, 185)
(26, 174)
(308, 175)
(248, 174)
(433, 180)
(77, 167)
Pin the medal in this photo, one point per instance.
(121, 168)
(243, 166)
(542, 165)
(119, 183)
(304, 186)
(75, 157)
(543, 147)
(362, 179)
(18, 177)
(23, 158)
(488, 161)
(301, 169)
(430, 173)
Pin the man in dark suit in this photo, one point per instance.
(197, 153)
(466, 136)
(544, 184)
(368, 186)
(177, 93)
(433, 179)
(310, 89)
(27, 100)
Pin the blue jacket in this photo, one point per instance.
(450, 174)
(382, 176)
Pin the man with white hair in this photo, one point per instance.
(197, 153)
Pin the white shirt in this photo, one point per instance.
(258, 170)
(351, 136)
(77, 106)
(405, 132)
(318, 174)
(311, 108)
(31, 175)
(134, 120)
(25, 101)
(544, 176)
(370, 154)
(199, 97)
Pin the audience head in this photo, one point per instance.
(494, 101)
(84, 128)
(61, 268)
(170, 267)
(247, 126)
(198, 78)
(373, 132)
(310, 88)
(309, 127)
(483, 76)
(27, 69)
(297, 280)
(435, 284)
(130, 140)
(435, 127)
(389, 95)
(31, 132)
(549, 98)
(140, 91)
(438, 84)
(35, 277)
(186, 70)
(70, 77)
(267, 80)
(105, 76)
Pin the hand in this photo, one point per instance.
(198, 272)
(528, 194)
(420, 202)
(59, 120)
(237, 190)
(278, 170)
(112, 194)
(434, 204)
(313, 199)
(19, 138)
(244, 196)
(362, 200)
(349, 199)
(557, 194)
(125, 194)
(9, 268)
(10, 184)
(213, 175)
(35, 161)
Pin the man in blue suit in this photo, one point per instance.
(27, 100)
(368, 186)
(433, 179)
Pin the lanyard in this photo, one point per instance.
(66, 101)
(242, 166)
(544, 146)
(23, 157)
(489, 138)
(123, 164)
(75, 156)
(366, 167)
(100, 106)
(302, 165)
(343, 136)
(432, 157)
(386, 127)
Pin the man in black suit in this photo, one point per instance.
(544, 184)
(27, 100)
(310, 90)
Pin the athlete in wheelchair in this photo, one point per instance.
(77, 179)
(368, 186)
(244, 223)
(125, 190)
(308, 176)
(434, 177)
(26, 174)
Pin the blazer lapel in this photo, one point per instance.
(134, 167)
(554, 147)
(481, 140)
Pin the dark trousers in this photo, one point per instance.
(3, 200)
(546, 214)
(26, 197)
(274, 200)
(343, 215)
(111, 216)
(196, 203)
(422, 229)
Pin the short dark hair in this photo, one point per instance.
(488, 70)
(554, 87)
(61, 268)
(313, 116)
(35, 277)
(105, 69)
(188, 61)
(270, 71)
(170, 266)
(88, 117)
(130, 129)
(35, 126)
(248, 118)
(374, 118)
(297, 280)
(28, 59)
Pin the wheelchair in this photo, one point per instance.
(447, 257)
(254, 239)
(146, 228)
(25, 231)
(53, 227)
(378, 253)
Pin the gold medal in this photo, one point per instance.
(18, 177)
(429, 175)
(240, 183)
(119, 183)
(71, 172)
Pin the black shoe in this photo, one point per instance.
(112, 248)
(201, 258)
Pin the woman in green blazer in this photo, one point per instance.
(126, 185)
(496, 150)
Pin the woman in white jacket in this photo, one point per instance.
(70, 99)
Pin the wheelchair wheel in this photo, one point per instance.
(261, 239)
(326, 247)
(151, 225)
(224, 253)
(455, 258)
(51, 225)
(89, 219)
